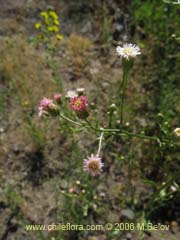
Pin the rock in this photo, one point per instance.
(101, 237)
(113, 217)
(128, 236)
(16, 149)
(128, 213)
(1, 130)
(118, 27)
(87, 27)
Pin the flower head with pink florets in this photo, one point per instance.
(93, 165)
(78, 104)
(44, 106)
(47, 106)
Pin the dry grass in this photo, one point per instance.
(26, 67)
(79, 50)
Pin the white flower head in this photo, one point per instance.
(128, 51)
(80, 90)
(71, 94)
(93, 165)
(177, 132)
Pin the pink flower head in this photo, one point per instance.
(93, 165)
(45, 105)
(57, 97)
(72, 190)
(78, 104)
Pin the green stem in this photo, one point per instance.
(156, 194)
(70, 120)
(124, 83)
(91, 126)
(54, 67)
(120, 131)
(139, 135)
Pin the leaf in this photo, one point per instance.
(149, 182)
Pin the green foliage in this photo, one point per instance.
(12, 197)
(157, 23)
(157, 19)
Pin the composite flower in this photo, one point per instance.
(44, 14)
(177, 132)
(44, 105)
(53, 14)
(53, 29)
(47, 106)
(128, 51)
(78, 104)
(59, 37)
(80, 91)
(38, 25)
(56, 22)
(71, 94)
(93, 165)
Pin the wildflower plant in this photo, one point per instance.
(79, 105)
(76, 114)
(127, 53)
(48, 28)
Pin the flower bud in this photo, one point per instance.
(58, 97)
(80, 91)
(113, 106)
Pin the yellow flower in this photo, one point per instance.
(53, 15)
(59, 37)
(53, 29)
(50, 29)
(56, 29)
(47, 22)
(26, 103)
(56, 22)
(46, 17)
(44, 14)
(38, 25)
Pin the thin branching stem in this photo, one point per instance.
(119, 131)
(70, 120)
(100, 143)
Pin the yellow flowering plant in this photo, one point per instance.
(48, 28)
